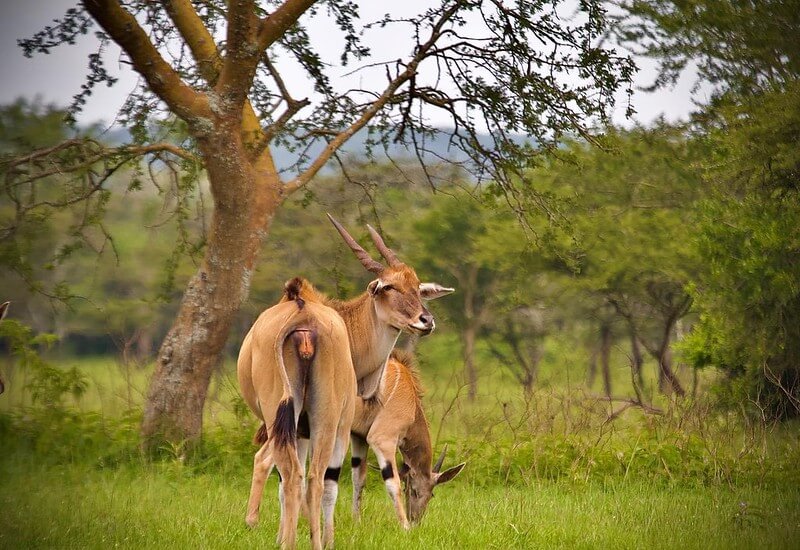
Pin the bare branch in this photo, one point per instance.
(373, 108)
(273, 71)
(277, 23)
(205, 52)
(196, 36)
(285, 117)
(238, 68)
(89, 152)
(248, 38)
(162, 79)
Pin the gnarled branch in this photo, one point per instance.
(162, 79)
(209, 62)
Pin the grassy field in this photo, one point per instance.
(157, 507)
(546, 470)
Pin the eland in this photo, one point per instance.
(396, 420)
(294, 362)
(392, 303)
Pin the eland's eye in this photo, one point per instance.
(387, 288)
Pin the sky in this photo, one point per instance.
(57, 77)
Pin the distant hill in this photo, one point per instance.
(437, 147)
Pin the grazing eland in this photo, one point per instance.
(394, 420)
(392, 303)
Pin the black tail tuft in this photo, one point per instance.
(292, 290)
(261, 435)
(284, 430)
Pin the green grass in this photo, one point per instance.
(164, 505)
(549, 470)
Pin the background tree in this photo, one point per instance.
(747, 287)
(747, 252)
(522, 305)
(216, 68)
(444, 251)
(630, 212)
(737, 47)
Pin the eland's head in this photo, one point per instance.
(397, 293)
(419, 485)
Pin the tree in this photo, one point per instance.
(445, 227)
(630, 212)
(738, 47)
(746, 246)
(747, 288)
(217, 69)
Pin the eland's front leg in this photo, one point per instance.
(386, 452)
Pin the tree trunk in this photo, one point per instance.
(667, 381)
(469, 362)
(144, 345)
(636, 360)
(591, 371)
(531, 372)
(245, 199)
(605, 357)
(470, 330)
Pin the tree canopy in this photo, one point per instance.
(214, 98)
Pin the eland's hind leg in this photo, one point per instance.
(289, 469)
(332, 483)
(262, 465)
(358, 462)
(322, 448)
(302, 455)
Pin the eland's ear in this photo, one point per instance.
(374, 287)
(431, 291)
(447, 475)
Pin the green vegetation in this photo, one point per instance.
(544, 469)
(570, 416)
(166, 506)
(619, 367)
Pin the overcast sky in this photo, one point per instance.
(56, 77)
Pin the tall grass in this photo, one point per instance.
(163, 505)
(559, 467)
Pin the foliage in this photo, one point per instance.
(740, 47)
(158, 507)
(214, 74)
(551, 444)
(745, 247)
(49, 385)
(495, 71)
(748, 286)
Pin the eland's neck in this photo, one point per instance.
(371, 341)
(416, 446)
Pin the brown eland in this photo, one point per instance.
(296, 361)
(394, 420)
(393, 303)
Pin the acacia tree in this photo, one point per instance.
(217, 68)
